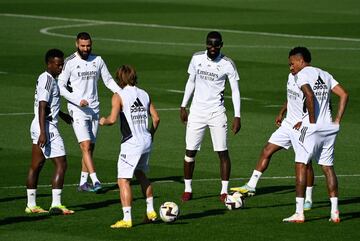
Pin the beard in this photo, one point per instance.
(84, 54)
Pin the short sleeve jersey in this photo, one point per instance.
(134, 119)
(47, 90)
(210, 76)
(81, 79)
(321, 83)
(296, 109)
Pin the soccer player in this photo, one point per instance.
(208, 70)
(323, 84)
(134, 107)
(291, 132)
(78, 83)
(46, 139)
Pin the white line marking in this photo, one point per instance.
(96, 22)
(194, 180)
(2, 72)
(12, 114)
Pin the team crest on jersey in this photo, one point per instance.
(94, 64)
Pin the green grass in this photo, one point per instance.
(158, 38)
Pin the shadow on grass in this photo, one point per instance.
(275, 189)
(20, 219)
(9, 199)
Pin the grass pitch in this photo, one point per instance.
(158, 38)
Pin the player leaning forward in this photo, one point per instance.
(78, 83)
(46, 139)
(134, 107)
(208, 70)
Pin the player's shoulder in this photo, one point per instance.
(228, 60)
(45, 80)
(199, 54)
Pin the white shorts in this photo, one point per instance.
(85, 125)
(55, 144)
(324, 154)
(302, 141)
(128, 163)
(196, 127)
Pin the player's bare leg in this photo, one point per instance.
(87, 149)
(37, 162)
(332, 186)
(147, 191)
(126, 200)
(225, 169)
(309, 186)
(189, 165)
(264, 160)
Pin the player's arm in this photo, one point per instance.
(116, 104)
(281, 114)
(42, 120)
(155, 119)
(66, 117)
(69, 96)
(344, 97)
(235, 96)
(309, 102)
(108, 80)
(189, 90)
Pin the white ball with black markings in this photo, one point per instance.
(234, 201)
(169, 212)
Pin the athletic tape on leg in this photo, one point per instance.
(189, 159)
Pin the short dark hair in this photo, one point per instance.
(214, 34)
(83, 35)
(53, 53)
(303, 51)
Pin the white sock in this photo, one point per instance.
(308, 194)
(56, 197)
(127, 213)
(254, 179)
(94, 178)
(224, 187)
(188, 185)
(31, 197)
(299, 205)
(83, 177)
(334, 204)
(149, 204)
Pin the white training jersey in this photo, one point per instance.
(209, 77)
(321, 83)
(134, 119)
(79, 80)
(47, 90)
(296, 108)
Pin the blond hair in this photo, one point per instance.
(126, 75)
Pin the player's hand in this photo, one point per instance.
(42, 140)
(236, 125)
(278, 120)
(84, 103)
(297, 125)
(102, 121)
(183, 115)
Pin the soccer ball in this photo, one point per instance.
(234, 201)
(169, 212)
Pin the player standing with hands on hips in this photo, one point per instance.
(208, 71)
(134, 107)
(46, 139)
(78, 84)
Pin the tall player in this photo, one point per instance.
(46, 139)
(134, 107)
(208, 70)
(323, 84)
(78, 84)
